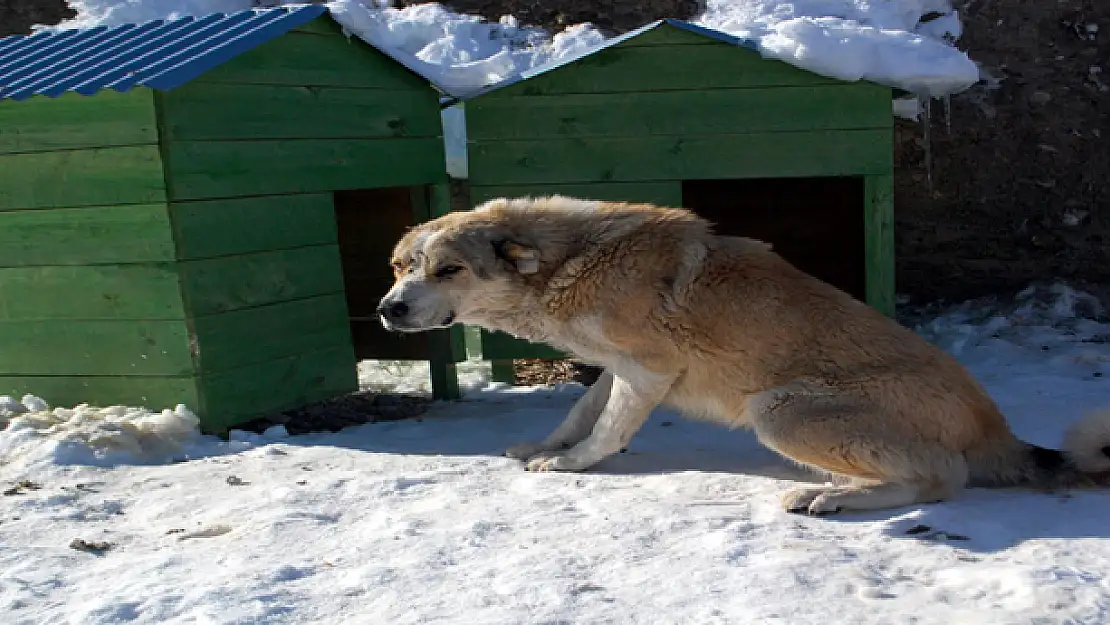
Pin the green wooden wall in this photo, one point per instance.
(91, 307)
(633, 121)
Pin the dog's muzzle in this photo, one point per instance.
(394, 316)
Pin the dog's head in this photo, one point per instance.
(462, 267)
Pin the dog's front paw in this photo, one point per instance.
(524, 451)
(544, 462)
(814, 501)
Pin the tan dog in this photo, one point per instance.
(723, 329)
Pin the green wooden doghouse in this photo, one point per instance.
(200, 211)
(679, 115)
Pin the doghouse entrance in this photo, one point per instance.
(817, 224)
(370, 222)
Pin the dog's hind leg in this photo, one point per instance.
(634, 394)
(578, 424)
(889, 466)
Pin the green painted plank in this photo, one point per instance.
(209, 228)
(153, 392)
(501, 346)
(317, 60)
(255, 335)
(200, 111)
(756, 155)
(112, 347)
(879, 225)
(235, 397)
(211, 169)
(666, 35)
(446, 347)
(323, 25)
(133, 233)
(719, 111)
(229, 283)
(118, 292)
(74, 121)
(666, 193)
(663, 68)
(95, 177)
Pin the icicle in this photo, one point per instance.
(948, 114)
(927, 121)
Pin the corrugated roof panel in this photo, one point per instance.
(158, 54)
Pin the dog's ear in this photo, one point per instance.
(525, 259)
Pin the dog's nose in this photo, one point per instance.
(394, 310)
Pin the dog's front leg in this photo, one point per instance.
(635, 392)
(578, 424)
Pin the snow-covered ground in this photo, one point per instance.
(901, 43)
(424, 522)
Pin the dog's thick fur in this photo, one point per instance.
(723, 329)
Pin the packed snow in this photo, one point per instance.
(126, 515)
(900, 43)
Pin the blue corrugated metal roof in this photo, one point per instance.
(608, 43)
(159, 54)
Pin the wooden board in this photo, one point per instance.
(154, 392)
(305, 59)
(717, 111)
(210, 228)
(235, 397)
(136, 292)
(663, 68)
(667, 193)
(755, 155)
(74, 121)
(256, 335)
(94, 177)
(667, 35)
(132, 233)
(212, 169)
(71, 347)
(229, 283)
(879, 224)
(323, 25)
(200, 111)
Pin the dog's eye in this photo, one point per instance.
(448, 271)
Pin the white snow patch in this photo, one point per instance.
(414, 377)
(424, 521)
(884, 42)
(34, 433)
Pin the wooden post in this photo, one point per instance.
(448, 346)
(879, 241)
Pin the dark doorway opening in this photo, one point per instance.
(369, 223)
(817, 224)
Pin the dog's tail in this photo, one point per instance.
(1083, 461)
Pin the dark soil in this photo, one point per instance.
(344, 411)
(17, 16)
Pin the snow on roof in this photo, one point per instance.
(885, 42)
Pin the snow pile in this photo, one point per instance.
(1055, 320)
(887, 42)
(423, 521)
(33, 433)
